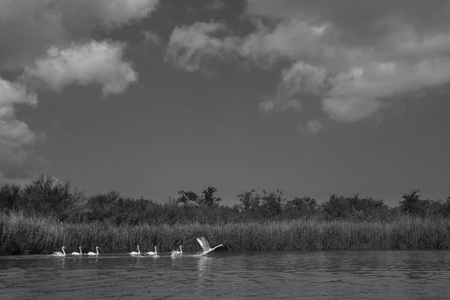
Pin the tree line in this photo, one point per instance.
(49, 197)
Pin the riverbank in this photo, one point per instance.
(20, 234)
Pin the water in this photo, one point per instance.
(225, 275)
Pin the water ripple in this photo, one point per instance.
(267, 275)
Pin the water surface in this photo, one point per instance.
(225, 275)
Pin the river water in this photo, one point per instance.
(230, 275)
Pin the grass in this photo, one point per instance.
(20, 234)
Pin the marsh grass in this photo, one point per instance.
(20, 234)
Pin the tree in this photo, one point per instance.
(271, 204)
(105, 207)
(356, 208)
(337, 207)
(10, 196)
(187, 198)
(302, 204)
(412, 204)
(49, 196)
(249, 201)
(208, 199)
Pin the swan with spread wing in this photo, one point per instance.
(205, 245)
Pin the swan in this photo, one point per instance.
(94, 253)
(77, 253)
(57, 253)
(136, 253)
(205, 245)
(175, 252)
(153, 253)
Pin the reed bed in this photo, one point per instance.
(20, 234)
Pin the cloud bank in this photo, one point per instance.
(355, 57)
(14, 134)
(48, 43)
(29, 28)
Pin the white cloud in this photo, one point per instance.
(151, 38)
(215, 5)
(298, 80)
(371, 22)
(12, 93)
(350, 109)
(94, 62)
(355, 63)
(28, 28)
(117, 12)
(312, 127)
(291, 39)
(302, 78)
(362, 92)
(369, 58)
(190, 47)
(267, 105)
(15, 135)
(279, 103)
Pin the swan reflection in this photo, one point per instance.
(203, 264)
(203, 267)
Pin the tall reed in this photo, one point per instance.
(20, 234)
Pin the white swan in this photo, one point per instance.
(153, 253)
(176, 253)
(57, 253)
(77, 253)
(136, 253)
(94, 253)
(205, 245)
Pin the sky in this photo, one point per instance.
(150, 97)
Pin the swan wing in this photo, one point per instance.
(205, 243)
(201, 243)
(217, 246)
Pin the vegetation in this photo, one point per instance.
(46, 214)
